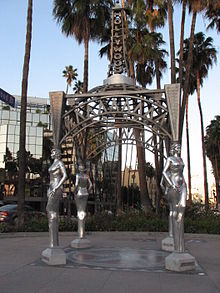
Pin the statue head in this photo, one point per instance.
(82, 168)
(55, 153)
(175, 148)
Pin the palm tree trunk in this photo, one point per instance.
(85, 74)
(22, 141)
(203, 148)
(217, 181)
(67, 87)
(158, 160)
(131, 65)
(188, 68)
(188, 152)
(181, 42)
(145, 200)
(172, 47)
(119, 206)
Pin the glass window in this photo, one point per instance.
(39, 150)
(38, 140)
(3, 129)
(43, 118)
(3, 147)
(5, 114)
(11, 129)
(5, 122)
(32, 131)
(13, 116)
(36, 118)
(16, 139)
(16, 148)
(3, 139)
(29, 117)
(31, 149)
(11, 138)
(39, 131)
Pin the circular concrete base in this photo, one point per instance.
(80, 243)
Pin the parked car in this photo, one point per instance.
(9, 214)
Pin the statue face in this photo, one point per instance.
(175, 149)
(81, 168)
(55, 154)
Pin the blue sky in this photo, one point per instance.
(52, 51)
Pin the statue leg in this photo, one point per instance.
(81, 228)
(81, 203)
(171, 220)
(53, 228)
(179, 229)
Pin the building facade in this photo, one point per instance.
(38, 137)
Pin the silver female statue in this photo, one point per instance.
(57, 177)
(83, 186)
(176, 193)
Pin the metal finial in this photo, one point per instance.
(117, 4)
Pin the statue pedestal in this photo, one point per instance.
(168, 244)
(81, 243)
(180, 262)
(54, 256)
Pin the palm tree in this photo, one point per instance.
(78, 87)
(84, 20)
(195, 6)
(204, 54)
(213, 15)
(172, 46)
(181, 41)
(212, 147)
(192, 89)
(70, 74)
(22, 142)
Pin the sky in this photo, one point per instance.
(51, 51)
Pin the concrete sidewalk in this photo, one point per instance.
(21, 269)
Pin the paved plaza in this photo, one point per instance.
(116, 262)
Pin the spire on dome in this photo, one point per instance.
(118, 53)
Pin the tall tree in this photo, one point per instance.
(212, 147)
(213, 14)
(192, 89)
(84, 20)
(172, 45)
(70, 74)
(195, 6)
(181, 41)
(78, 87)
(22, 141)
(204, 55)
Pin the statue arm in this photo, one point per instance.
(76, 183)
(90, 184)
(64, 176)
(166, 178)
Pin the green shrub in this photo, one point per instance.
(4, 227)
(132, 221)
(205, 223)
(34, 225)
(196, 221)
(67, 225)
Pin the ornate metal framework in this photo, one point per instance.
(114, 107)
(142, 115)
